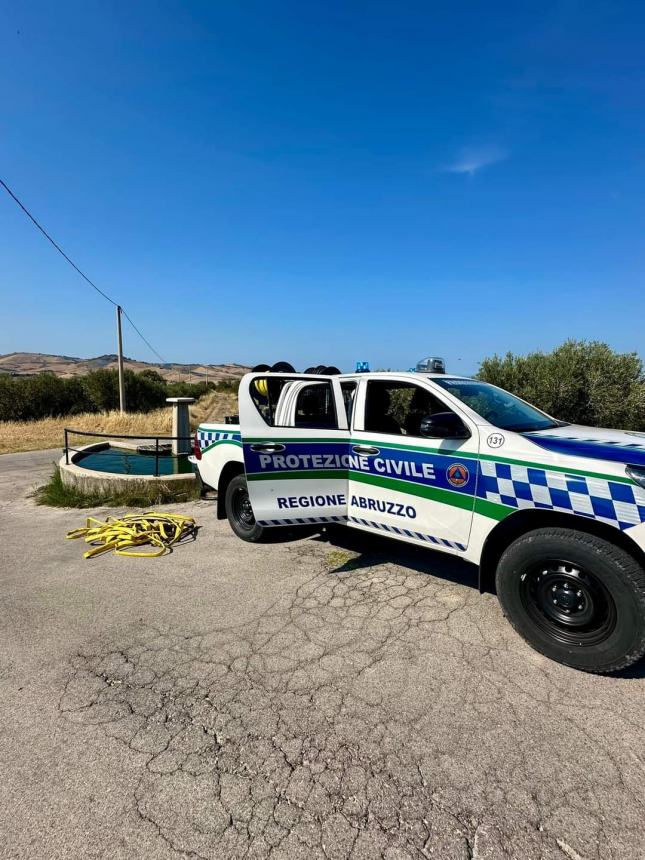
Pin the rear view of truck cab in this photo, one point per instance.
(553, 515)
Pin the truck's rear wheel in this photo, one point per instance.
(240, 513)
(574, 597)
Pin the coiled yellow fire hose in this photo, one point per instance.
(119, 534)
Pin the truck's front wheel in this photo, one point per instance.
(239, 511)
(578, 599)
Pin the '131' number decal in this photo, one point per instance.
(495, 440)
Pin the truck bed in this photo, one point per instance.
(219, 444)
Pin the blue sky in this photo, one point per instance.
(324, 182)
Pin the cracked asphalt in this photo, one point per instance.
(334, 698)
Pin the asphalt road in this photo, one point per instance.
(297, 699)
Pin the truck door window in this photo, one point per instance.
(265, 392)
(285, 402)
(398, 407)
(349, 394)
(315, 407)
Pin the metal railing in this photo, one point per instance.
(115, 436)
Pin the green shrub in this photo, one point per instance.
(229, 386)
(102, 389)
(153, 375)
(583, 382)
(41, 396)
(188, 389)
(28, 398)
(143, 393)
(12, 398)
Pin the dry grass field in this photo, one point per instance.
(48, 433)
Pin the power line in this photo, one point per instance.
(145, 340)
(74, 266)
(49, 238)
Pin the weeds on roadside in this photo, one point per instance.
(56, 494)
(343, 560)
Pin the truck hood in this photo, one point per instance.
(618, 446)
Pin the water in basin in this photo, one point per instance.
(121, 461)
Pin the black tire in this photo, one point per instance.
(260, 368)
(574, 597)
(239, 512)
(282, 367)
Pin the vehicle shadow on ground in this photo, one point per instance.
(372, 550)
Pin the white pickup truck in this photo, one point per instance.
(553, 514)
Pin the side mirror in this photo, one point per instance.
(443, 425)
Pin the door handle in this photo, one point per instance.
(365, 449)
(268, 447)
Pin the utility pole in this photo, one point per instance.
(120, 358)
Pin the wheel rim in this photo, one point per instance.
(242, 510)
(568, 602)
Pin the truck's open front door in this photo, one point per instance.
(295, 440)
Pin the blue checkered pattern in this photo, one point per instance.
(596, 441)
(408, 533)
(617, 504)
(207, 437)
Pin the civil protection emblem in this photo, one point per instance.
(457, 474)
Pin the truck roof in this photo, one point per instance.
(412, 374)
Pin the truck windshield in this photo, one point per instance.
(500, 408)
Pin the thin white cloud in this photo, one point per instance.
(472, 159)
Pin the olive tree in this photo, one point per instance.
(584, 382)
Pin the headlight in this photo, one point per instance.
(637, 474)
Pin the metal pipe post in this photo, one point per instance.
(120, 360)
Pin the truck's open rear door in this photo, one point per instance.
(296, 442)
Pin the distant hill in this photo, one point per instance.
(29, 363)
